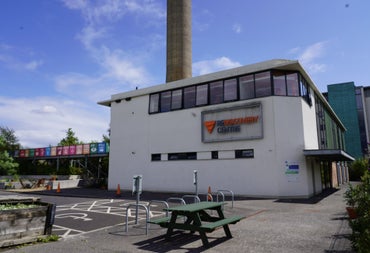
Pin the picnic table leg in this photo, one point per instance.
(170, 225)
(227, 231)
(226, 227)
(197, 221)
(204, 238)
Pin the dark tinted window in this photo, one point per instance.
(176, 100)
(202, 94)
(166, 101)
(279, 83)
(216, 92)
(246, 87)
(230, 90)
(263, 84)
(189, 97)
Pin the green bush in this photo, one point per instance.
(361, 225)
(357, 169)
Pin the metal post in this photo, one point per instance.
(137, 188)
(137, 207)
(195, 181)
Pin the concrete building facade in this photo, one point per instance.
(259, 130)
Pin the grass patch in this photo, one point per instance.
(4, 207)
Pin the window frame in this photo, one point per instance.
(251, 83)
(233, 90)
(179, 101)
(236, 88)
(266, 88)
(216, 92)
(204, 101)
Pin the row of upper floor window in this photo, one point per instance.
(330, 135)
(256, 85)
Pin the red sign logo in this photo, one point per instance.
(210, 125)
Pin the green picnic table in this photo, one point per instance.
(195, 218)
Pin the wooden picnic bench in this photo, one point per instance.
(197, 219)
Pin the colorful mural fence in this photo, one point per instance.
(72, 150)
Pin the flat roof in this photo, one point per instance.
(328, 154)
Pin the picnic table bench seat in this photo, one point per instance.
(160, 221)
(211, 226)
(206, 227)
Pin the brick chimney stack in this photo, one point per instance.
(179, 51)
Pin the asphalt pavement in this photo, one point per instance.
(319, 224)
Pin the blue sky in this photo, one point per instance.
(58, 58)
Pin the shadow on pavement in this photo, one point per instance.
(313, 200)
(179, 241)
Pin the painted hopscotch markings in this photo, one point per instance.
(79, 218)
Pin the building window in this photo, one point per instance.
(292, 84)
(176, 99)
(279, 83)
(274, 82)
(154, 103)
(214, 154)
(182, 156)
(305, 91)
(216, 92)
(189, 97)
(156, 157)
(165, 101)
(244, 153)
(263, 84)
(202, 95)
(246, 87)
(230, 90)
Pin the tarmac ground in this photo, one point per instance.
(319, 224)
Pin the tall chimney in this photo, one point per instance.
(179, 53)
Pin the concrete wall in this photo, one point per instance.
(136, 135)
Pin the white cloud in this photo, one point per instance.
(113, 10)
(10, 59)
(123, 69)
(237, 28)
(205, 67)
(89, 35)
(42, 121)
(119, 74)
(85, 88)
(310, 56)
(33, 65)
(120, 70)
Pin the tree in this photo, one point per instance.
(7, 164)
(9, 138)
(106, 138)
(70, 139)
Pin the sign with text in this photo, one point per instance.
(235, 123)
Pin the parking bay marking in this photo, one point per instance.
(75, 216)
(71, 218)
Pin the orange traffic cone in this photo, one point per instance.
(58, 189)
(209, 195)
(118, 191)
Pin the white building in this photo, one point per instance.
(258, 130)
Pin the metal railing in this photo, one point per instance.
(136, 218)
